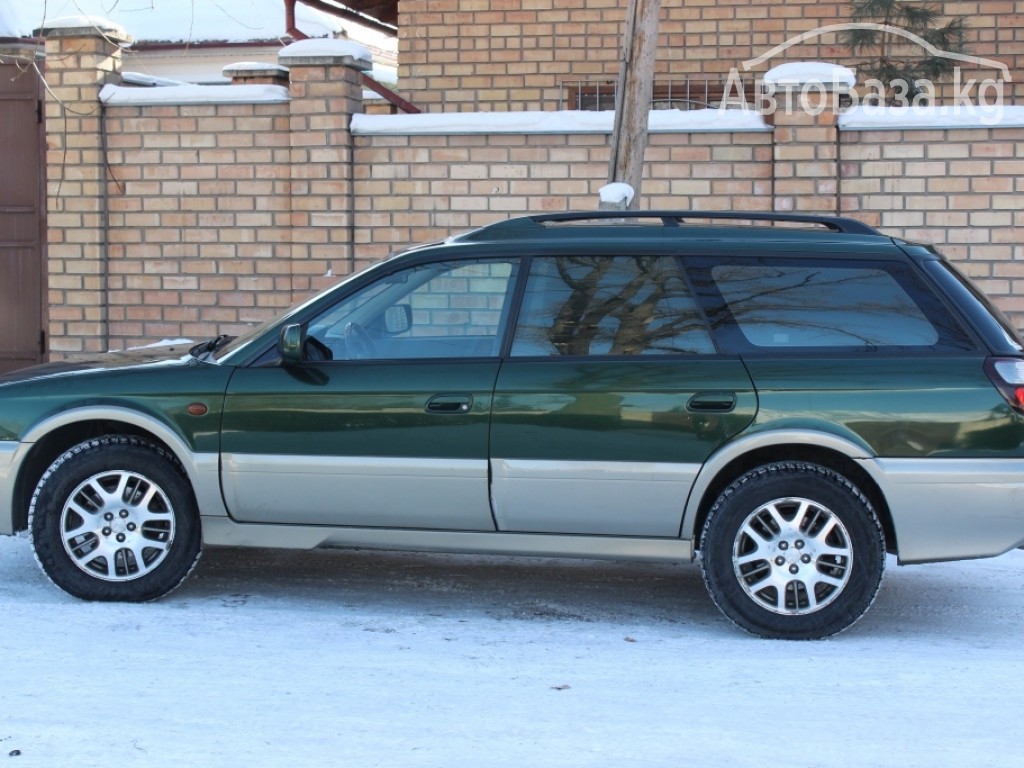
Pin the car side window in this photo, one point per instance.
(605, 305)
(777, 304)
(442, 310)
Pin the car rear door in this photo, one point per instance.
(611, 398)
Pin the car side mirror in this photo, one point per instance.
(397, 319)
(289, 344)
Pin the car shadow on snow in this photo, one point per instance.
(494, 587)
(974, 601)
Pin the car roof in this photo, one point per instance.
(607, 232)
(676, 224)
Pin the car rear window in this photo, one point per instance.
(837, 305)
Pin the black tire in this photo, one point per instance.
(114, 518)
(792, 551)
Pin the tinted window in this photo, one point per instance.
(450, 309)
(989, 319)
(596, 305)
(833, 305)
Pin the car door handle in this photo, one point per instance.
(718, 402)
(449, 404)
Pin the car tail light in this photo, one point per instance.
(1007, 373)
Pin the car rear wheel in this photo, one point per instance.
(114, 519)
(793, 551)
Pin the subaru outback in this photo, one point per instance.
(783, 398)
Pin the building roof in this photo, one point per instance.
(382, 10)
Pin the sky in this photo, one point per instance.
(172, 20)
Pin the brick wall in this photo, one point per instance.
(76, 69)
(187, 220)
(469, 55)
(182, 220)
(962, 190)
(200, 218)
(414, 188)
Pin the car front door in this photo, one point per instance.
(610, 400)
(385, 423)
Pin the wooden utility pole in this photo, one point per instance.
(633, 95)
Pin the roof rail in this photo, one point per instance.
(669, 219)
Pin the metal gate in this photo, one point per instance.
(22, 219)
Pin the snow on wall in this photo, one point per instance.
(318, 47)
(80, 22)
(801, 72)
(880, 118)
(661, 121)
(120, 96)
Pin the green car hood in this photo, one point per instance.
(103, 361)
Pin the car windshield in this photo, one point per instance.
(239, 341)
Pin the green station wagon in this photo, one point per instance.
(784, 398)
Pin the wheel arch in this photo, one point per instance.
(835, 453)
(45, 441)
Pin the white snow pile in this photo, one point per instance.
(163, 343)
(314, 48)
(147, 80)
(101, 23)
(802, 72)
(564, 121)
(616, 193)
(384, 74)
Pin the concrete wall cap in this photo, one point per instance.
(253, 68)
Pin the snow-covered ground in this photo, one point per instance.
(272, 658)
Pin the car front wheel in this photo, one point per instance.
(793, 550)
(114, 519)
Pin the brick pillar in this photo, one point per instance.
(806, 169)
(326, 90)
(79, 61)
(255, 73)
